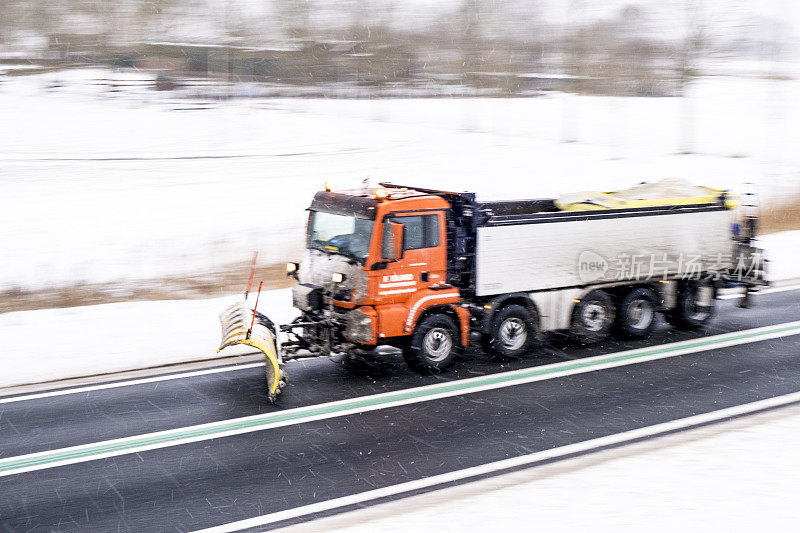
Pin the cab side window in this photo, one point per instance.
(420, 231)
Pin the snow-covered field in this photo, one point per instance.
(105, 180)
(735, 476)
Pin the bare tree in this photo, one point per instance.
(294, 17)
(574, 59)
(694, 43)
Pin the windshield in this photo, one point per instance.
(346, 235)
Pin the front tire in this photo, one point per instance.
(592, 317)
(512, 333)
(434, 346)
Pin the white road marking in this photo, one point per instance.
(506, 464)
(140, 381)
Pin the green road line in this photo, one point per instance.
(176, 436)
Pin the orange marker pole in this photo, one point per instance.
(252, 274)
(253, 321)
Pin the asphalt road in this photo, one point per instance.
(221, 480)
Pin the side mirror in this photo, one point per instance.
(393, 243)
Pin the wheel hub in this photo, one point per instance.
(594, 316)
(640, 313)
(513, 333)
(438, 343)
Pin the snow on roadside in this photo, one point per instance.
(52, 344)
(782, 251)
(734, 476)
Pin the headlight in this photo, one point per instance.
(291, 268)
(337, 277)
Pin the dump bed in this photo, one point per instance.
(518, 251)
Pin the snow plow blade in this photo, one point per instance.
(240, 325)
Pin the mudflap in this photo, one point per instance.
(236, 323)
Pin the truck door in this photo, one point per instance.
(424, 259)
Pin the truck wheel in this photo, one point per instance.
(512, 334)
(636, 313)
(690, 312)
(434, 346)
(592, 317)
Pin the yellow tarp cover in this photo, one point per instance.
(665, 192)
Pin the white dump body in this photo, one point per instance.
(552, 252)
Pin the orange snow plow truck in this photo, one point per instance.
(430, 272)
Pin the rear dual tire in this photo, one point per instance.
(592, 317)
(689, 313)
(512, 334)
(636, 313)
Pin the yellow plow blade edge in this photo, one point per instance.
(235, 322)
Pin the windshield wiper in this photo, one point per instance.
(350, 255)
(345, 252)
